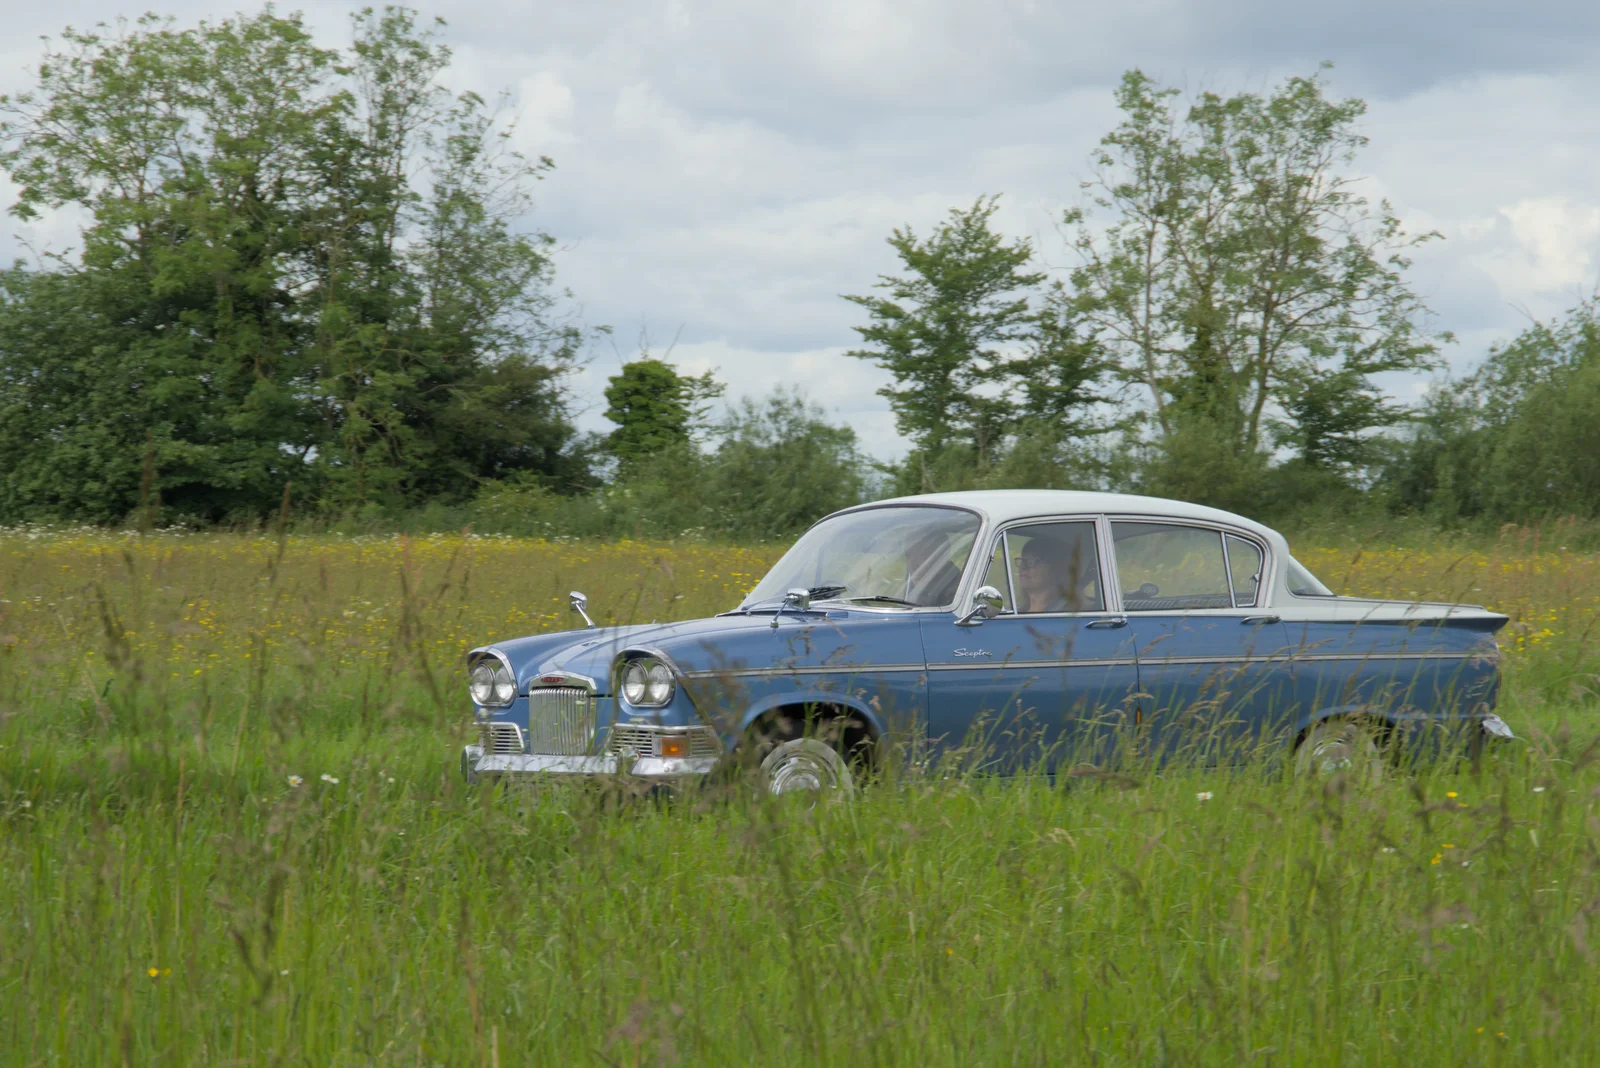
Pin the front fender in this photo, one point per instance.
(806, 697)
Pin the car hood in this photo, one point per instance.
(713, 644)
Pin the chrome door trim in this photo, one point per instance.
(783, 672)
(1457, 654)
(1035, 665)
(1291, 657)
(1109, 579)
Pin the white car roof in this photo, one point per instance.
(1003, 506)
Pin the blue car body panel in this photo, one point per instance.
(1213, 682)
(1022, 689)
(1408, 671)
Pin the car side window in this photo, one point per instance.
(997, 577)
(1244, 567)
(1167, 567)
(1055, 567)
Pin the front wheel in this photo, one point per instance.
(806, 765)
(1341, 745)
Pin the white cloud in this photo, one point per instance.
(545, 111)
(1558, 239)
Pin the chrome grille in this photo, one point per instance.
(560, 721)
(500, 737)
(703, 741)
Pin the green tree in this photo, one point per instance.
(656, 408)
(1517, 440)
(952, 332)
(300, 265)
(1328, 418)
(779, 466)
(1238, 269)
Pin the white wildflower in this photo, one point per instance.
(330, 778)
(295, 780)
(1203, 795)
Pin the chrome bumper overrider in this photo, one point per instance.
(476, 764)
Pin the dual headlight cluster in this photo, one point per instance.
(492, 683)
(647, 683)
(644, 683)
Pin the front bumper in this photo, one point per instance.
(476, 765)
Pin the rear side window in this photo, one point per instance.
(1168, 567)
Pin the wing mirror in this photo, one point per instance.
(986, 604)
(580, 605)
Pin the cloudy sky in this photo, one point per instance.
(726, 169)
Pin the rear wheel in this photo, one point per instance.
(1341, 746)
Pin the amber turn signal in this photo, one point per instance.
(674, 745)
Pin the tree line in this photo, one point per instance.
(306, 273)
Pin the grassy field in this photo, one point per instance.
(232, 831)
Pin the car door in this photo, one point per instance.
(1213, 668)
(1049, 680)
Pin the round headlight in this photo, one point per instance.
(635, 682)
(505, 684)
(658, 684)
(492, 683)
(482, 682)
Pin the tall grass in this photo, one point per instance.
(232, 831)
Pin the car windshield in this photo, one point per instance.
(906, 556)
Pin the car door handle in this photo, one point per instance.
(1256, 621)
(1108, 624)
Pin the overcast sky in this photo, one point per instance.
(724, 170)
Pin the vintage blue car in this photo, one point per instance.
(1001, 629)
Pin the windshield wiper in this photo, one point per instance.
(886, 599)
(820, 593)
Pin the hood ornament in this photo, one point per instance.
(580, 605)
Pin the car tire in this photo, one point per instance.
(795, 763)
(1341, 745)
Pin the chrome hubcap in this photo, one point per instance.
(1332, 756)
(1343, 747)
(805, 765)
